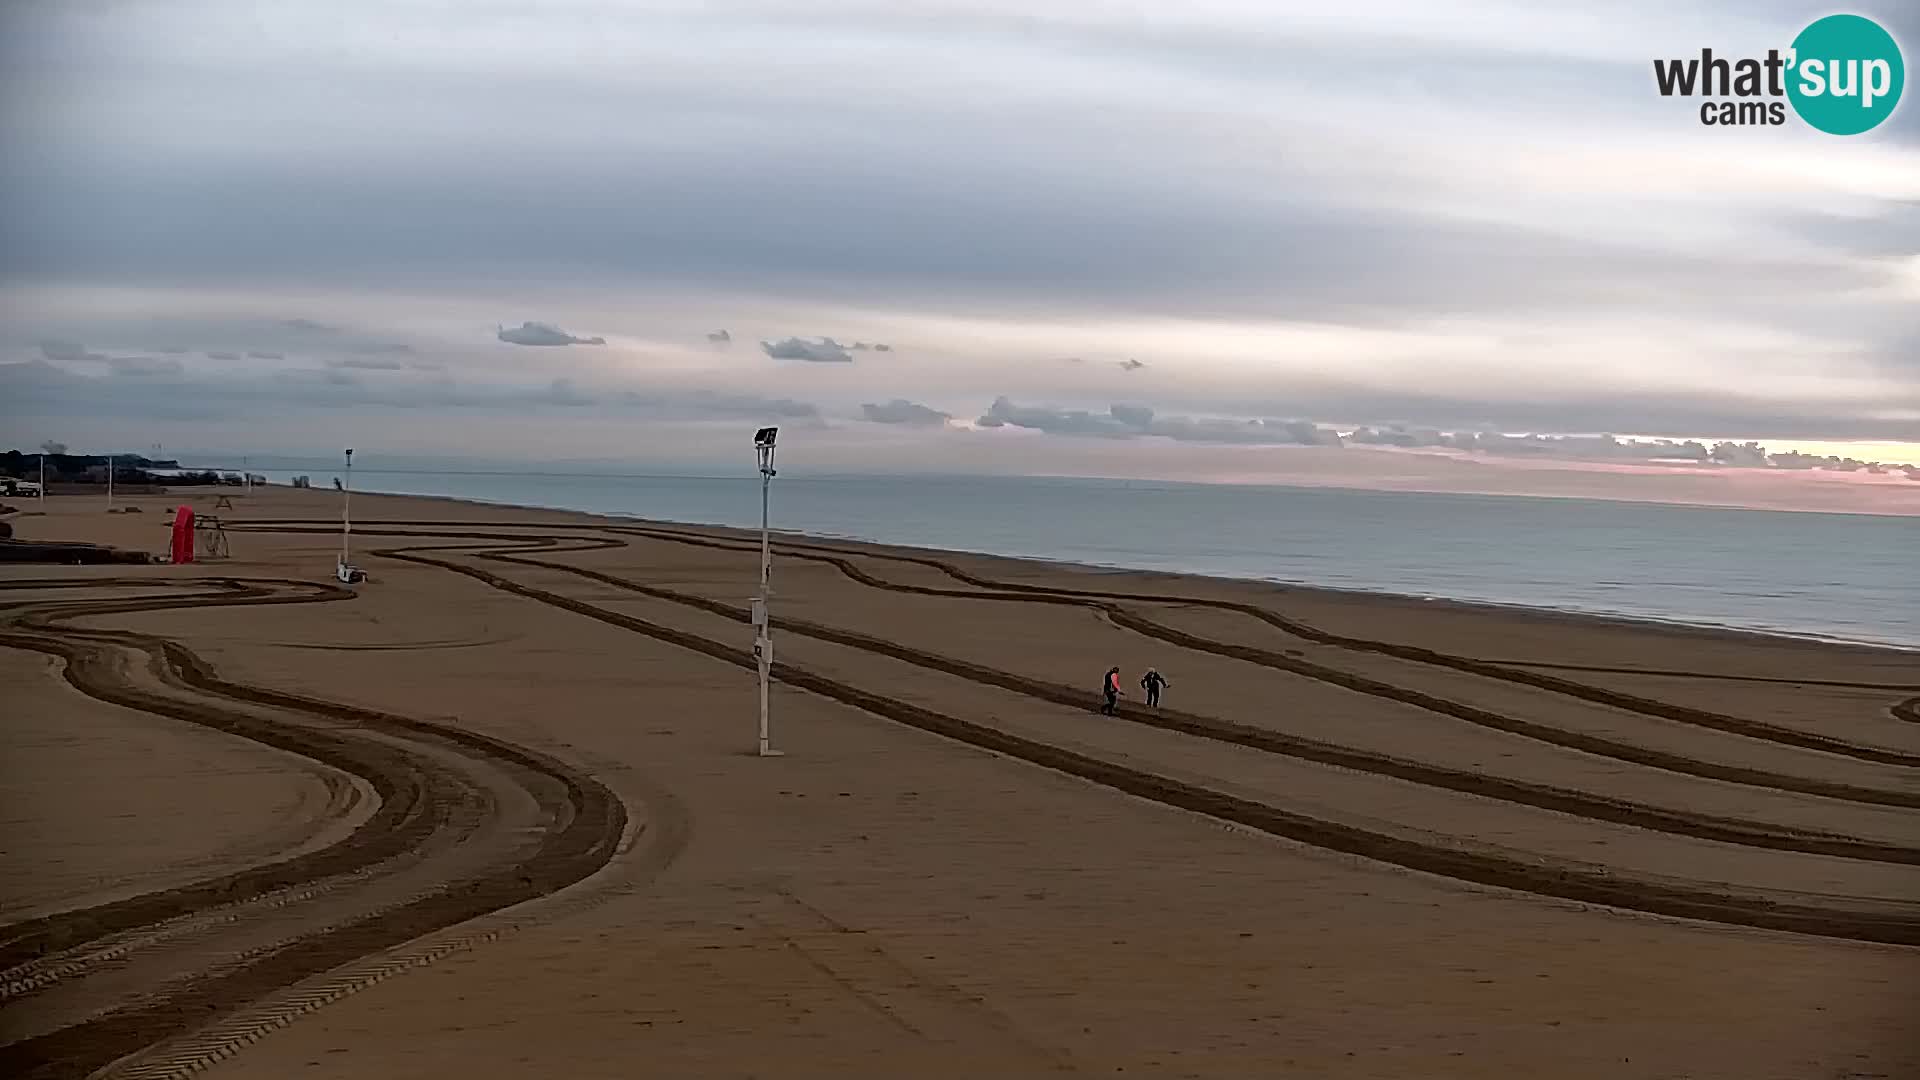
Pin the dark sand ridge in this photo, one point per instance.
(1056, 690)
(1659, 896)
(101, 839)
(418, 863)
(525, 659)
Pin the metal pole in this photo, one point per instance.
(246, 477)
(346, 510)
(109, 483)
(43, 481)
(765, 650)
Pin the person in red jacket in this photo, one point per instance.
(1110, 692)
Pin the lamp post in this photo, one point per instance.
(346, 515)
(763, 635)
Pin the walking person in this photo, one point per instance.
(1110, 692)
(1154, 682)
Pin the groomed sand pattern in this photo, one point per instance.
(520, 690)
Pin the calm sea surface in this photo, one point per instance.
(1843, 576)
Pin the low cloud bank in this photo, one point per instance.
(902, 411)
(1739, 455)
(543, 334)
(824, 351)
(44, 389)
(1136, 421)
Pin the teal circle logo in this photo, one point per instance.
(1846, 74)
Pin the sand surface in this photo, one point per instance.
(103, 801)
(888, 901)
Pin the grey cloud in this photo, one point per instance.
(544, 334)
(309, 377)
(1130, 364)
(1397, 435)
(42, 389)
(1609, 448)
(144, 366)
(720, 337)
(248, 336)
(1305, 235)
(1135, 421)
(370, 363)
(70, 352)
(1024, 247)
(902, 411)
(223, 355)
(1250, 432)
(1701, 413)
(1004, 413)
(1747, 454)
(824, 351)
(1582, 447)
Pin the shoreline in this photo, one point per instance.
(1671, 625)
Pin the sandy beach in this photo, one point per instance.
(495, 813)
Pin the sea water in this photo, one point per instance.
(1851, 577)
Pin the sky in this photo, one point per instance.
(1206, 240)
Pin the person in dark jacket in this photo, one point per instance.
(1153, 682)
(1110, 692)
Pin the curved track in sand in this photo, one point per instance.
(988, 589)
(1542, 876)
(466, 825)
(434, 854)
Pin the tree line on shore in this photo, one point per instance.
(64, 468)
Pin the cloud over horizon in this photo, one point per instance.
(543, 334)
(1133, 421)
(902, 411)
(824, 351)
(1432, 247)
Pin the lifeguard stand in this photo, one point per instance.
(210, 537)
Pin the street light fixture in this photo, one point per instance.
(348, 573)
(763, 441)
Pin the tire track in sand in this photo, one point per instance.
(1599, 745)
(1541, 796)
(1645, 706)
(587, 821)
(1573, 883)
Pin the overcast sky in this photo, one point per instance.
(237, 228)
